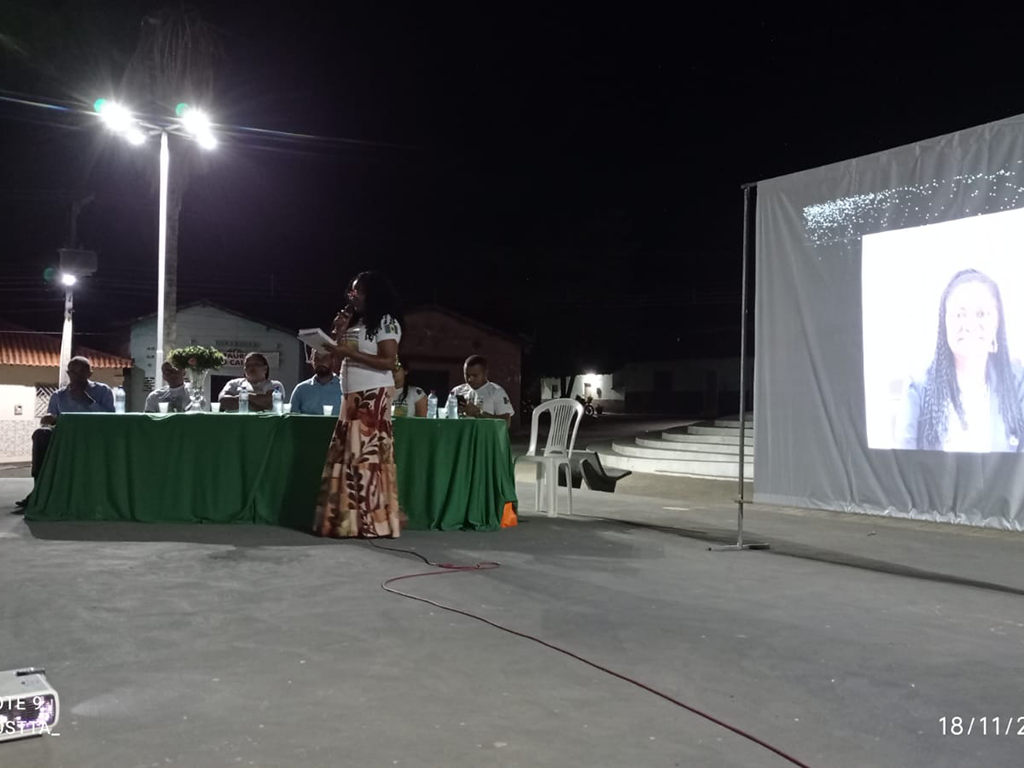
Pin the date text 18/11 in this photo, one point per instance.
(982, 726)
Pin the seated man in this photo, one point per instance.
(79, 396)
(324, 388)
(481, 398)
(174, 392)
(257, 383)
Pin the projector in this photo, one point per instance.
(28, 705)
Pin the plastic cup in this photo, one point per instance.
(287, 407)
(328, 410)
(214, 407)
(162, 407)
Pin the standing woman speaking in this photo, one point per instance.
(359, 489)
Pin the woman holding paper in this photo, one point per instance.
(359, 490)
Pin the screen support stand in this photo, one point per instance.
(741, 500)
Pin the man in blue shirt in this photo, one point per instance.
(79, 396)
(324, 388)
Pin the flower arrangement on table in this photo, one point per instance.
(196, 358)
(197, 361)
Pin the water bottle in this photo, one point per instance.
(118, 400)
(243, 401)
(432, 406)
(452, 407)
(278, 401)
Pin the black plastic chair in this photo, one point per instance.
(598, 478)
(587, 465)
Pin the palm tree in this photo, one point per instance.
(174, 62)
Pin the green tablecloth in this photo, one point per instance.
(260, 468)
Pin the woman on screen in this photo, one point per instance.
(970, 399)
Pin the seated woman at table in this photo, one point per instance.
(409, 400)
(256, 382)
(359, 486)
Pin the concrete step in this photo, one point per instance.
(730, 439)
(718, 470)
(640, 451)
(700, 429)
(655, 440)
(722, 469)
(731, 423)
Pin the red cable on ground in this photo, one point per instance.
(450, 568)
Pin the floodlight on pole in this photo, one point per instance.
(195, 121)
(135, 137)
(195, 124)
(68, 279)
(116, 117)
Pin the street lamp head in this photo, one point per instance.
(116, 117)
(68, 279)
(207, 140)
(195, 121)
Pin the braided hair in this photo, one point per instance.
(381, 300)
(942, 387)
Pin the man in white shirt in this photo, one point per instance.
(482, 399)
(174, 392)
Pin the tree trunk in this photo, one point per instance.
(174, 194)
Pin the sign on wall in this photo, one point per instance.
(236, 357)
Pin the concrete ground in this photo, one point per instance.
(843, 645)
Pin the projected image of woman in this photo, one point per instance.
(970, 399)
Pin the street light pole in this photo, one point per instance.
(192, 122)
(68, 280)
(65, 337)
(165, 164)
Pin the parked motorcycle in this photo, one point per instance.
(589, 409)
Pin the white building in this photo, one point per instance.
(700, 387)
(600, 386)
(230, 332)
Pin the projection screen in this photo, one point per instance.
(889, 332)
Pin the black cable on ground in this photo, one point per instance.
(446, 568)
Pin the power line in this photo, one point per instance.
(76, 108)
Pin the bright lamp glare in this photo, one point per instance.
(195, 122)
(207, 140)
(68, 280)
(135, 136)
(116, 117)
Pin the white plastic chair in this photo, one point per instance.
(565, 422)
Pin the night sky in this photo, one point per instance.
(570, 175)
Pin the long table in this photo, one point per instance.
(260, 468)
